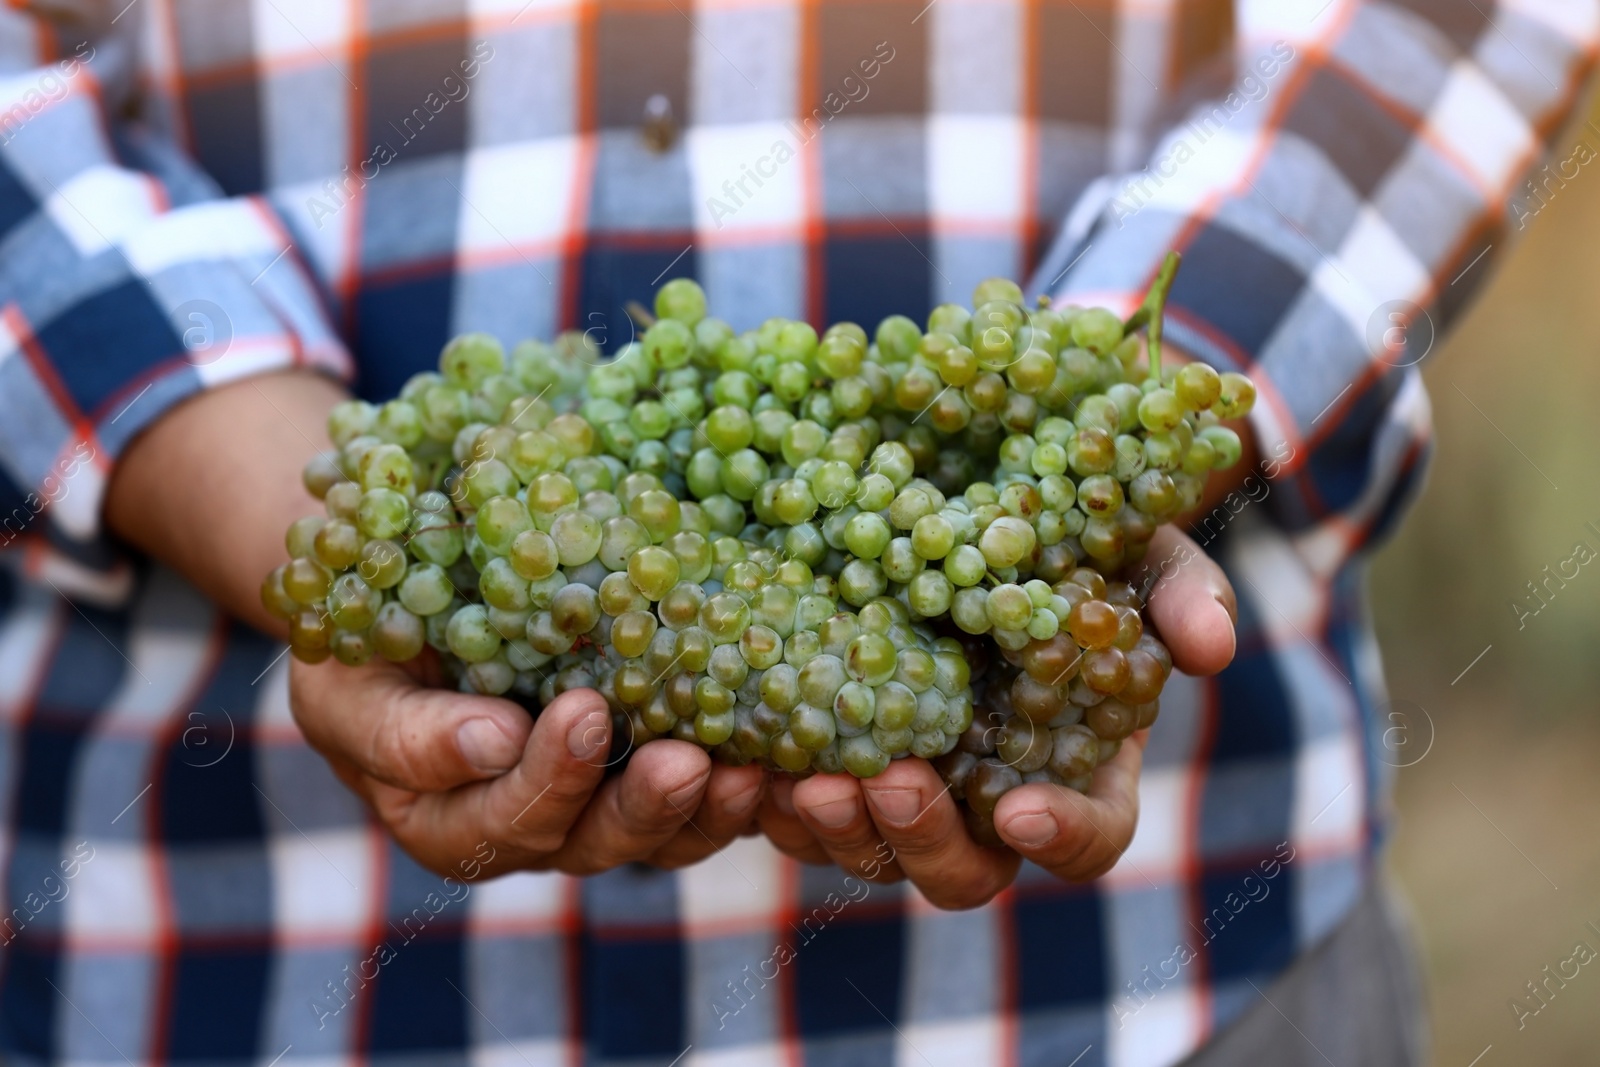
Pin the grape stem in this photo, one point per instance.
(1151, 310)
(638, 313)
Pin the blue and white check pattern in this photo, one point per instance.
(192, 191)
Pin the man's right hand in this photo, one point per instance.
(445, 771)
(209, 488)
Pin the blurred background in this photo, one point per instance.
(1498, 836)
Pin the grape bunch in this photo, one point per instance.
(816, 553)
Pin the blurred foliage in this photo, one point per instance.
(1528, 355)
(1495, 844)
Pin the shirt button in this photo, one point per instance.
(660, 129)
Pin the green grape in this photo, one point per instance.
(620, 538)
(575, 609)
(668, 344)
(819, 681)
(1043, 624)
(1130, 462)
(397, 634)
(969, 611)
(469, 359)
(387, 466)
(650, 419)
(1100, 495)
(681, 299)
(337, 545)
(898, 339)
(470, 636)
(491, 677)
(900, 561)
(498, 523)
(381, 564)
(502, 587)
(352, 603)
(1160, 411)
(909, 507)
(965, 566)
(533, 555)
(1048, 459)
(306, 581)
(1197, 386)
(724, 616)
(915, 669)
(930, 594)
(1091, 451)
(577, 537)
(932, 537)
(693, 553)
(728, 428)
(350, 419)
(742, 473)
(1100, 412)
(1153, 492)
(383, 513)
(874, 493)
(351, 647)
(1016, 453)
(653, 571)
(794, 503)
(300, 539)
(1200, 457)
(1006, 541)
(1101, 539)
(275, 598)
(867, 535)
(1225, 445)
(861, 580)
(1097, 330)
(1009, 607)
(1237, 396)
(694, 647)
(834, 484)
(1163, 452)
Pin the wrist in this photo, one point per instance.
(210, 487)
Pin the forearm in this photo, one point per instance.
(210, 488)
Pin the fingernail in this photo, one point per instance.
(1229, 606)
(589, 735)
(486, 747)
(835, 814)
(1034, 829)
(687, 793)
(899, 806)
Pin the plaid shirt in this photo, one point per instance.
(196, 190)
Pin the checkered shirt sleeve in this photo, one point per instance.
(1336, 206)
(117, 258)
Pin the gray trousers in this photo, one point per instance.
(1354, 1001)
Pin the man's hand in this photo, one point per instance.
(444, 771)
(209, 488)
(839, 819)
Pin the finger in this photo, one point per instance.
(635, 814)
(728, 807)
(781, 824)
(1193, 604)
(531, 808)
(832, 808)
(380, 720)
(1076, 836)
(913, 810)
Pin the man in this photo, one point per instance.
(216, 212)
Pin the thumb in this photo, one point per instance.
(380, 720)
